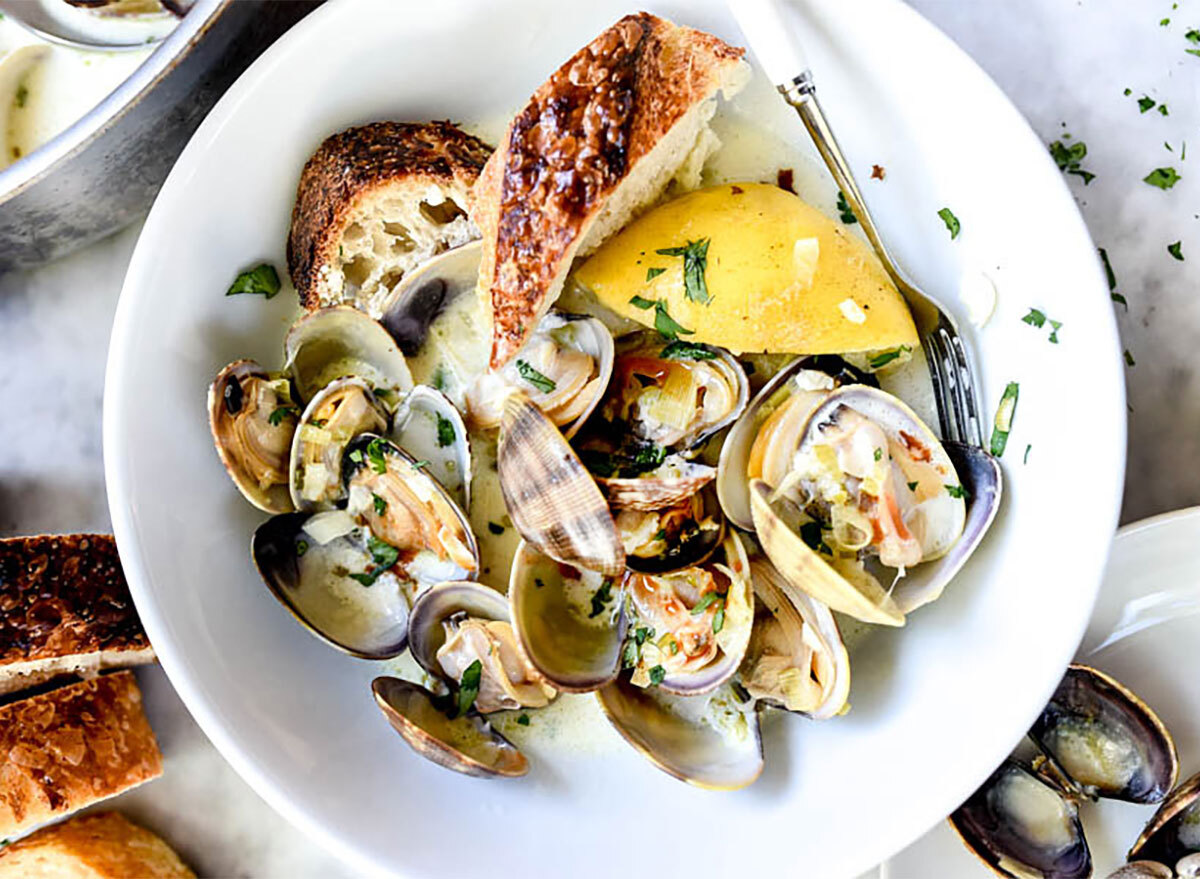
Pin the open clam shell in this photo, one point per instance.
(570, 622)
(671, 483)
(553, 501)
(465, 744)
(253, 422)
(1106, 740)
(1021, 826)
(426, 633)
(342, 410)
(565, 369)
(422, 294)
(679, 536)
(796, 659)
(711, 741)
(428, 426)
(1173, 833)
(340, 341)
(310, 564)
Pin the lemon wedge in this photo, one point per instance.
(751, 267)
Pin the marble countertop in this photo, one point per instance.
(1065, 64)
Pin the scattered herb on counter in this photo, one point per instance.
(380, 504)
(1002, 424)
(535, 378)
(653, 273)
(601, 598)
(1163, 178)
(1129, 361)
(375, 456)
(695, 263)
(845, 213)
(1145, 103)
(1025, 460)
(523, 720)
(956, 491)
(301, 547)
(468, 687)
(951, 222)
(446, 434)
(887, 357)
(641, 302)
(656, 675)
(496, 528)
(281, 412)
(666, 325)
(1193, 36)
(1164, 22)
(1069, 158)
(679, 350)
(1176, 250)
(262, 280)
(1108, 269)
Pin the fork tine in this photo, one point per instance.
(941, 386)
(973, 423)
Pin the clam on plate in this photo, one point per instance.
(900, 95)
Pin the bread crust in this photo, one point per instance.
(99, 845)
(569, 149)
(71, 747)
(352, 164)
(65, 596)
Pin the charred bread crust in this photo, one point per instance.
(571, 146)
(70, 747)
(104, 845)
(62, 595)
(354, 162)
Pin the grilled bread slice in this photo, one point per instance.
(602, 138)
(73, 746)
(65, 609)
(376, 201)
(99, 845)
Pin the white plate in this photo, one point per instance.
(936, 705)
(1143, 633)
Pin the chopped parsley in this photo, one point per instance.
(281, 412)
(367, 578)
(1069, 158)
(1002, 424)
(601, 598)
(679, 350)
(912, 486)
(468, 687)
(956, 491)
(1176, 250)
(707, 599)
(845, 212)
(1112, 280)
(535, 378)
(879, 454)
(523, 720)
(656, 675)
(667, 325)
(718, 622)
(262, 280)
(1162, 108)
(1035, 318)
(1163, 178)
(446, 434)
(1025, 460)
(380, 504)
(496, 528)
(951, 222)
(1146, 103)
(382, 553)
(375, 455)
(630, 461)
(887, 357)
(1129, 361)
(695, 263)
(633, 647)
(810, 533)
(652, 273)
(1055, 326)
(641, 302)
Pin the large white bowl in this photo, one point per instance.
(936, 705)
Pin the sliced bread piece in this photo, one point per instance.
(65, 609)
(99, 845)
(599, 140)
(376, 201)
(73, 746)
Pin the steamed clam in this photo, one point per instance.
(428, 426)
(340, 341)
(253, 420)
(671, 537)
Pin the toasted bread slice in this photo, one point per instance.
(68, 748)
(99, 845)
(602, 138)
(65, 609)
(376, 201)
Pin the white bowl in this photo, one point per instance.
(936, 704)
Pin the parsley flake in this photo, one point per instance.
(446, 434)
(380, 504)
(1035, 318)
(641, 302)
(680, 350)
(262, 280)
(375, 455)
(1176, 250)
(535, 378)
(845, 212)
(1129, 361)
(652, 273)
(695, 262)
(912, 486)
(951, 222)
(1069, 159)
(887, 357)
(281, 412)
(956, 491)
(1145, 103)
(666, 325)
(657, 673)
(523, 720)
(468, 687)
(1163, 178)
(601, 598)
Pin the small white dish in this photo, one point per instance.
(936, 705)
(1143, 633)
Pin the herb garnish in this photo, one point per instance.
(1145, 103)
(1025, 460)
(602, 597)
(887, 357)
(630, 461)
(1129, 361)
(262, 280)
(667, 325)
(719, 619)
(680, 350)
(1069, 158)
(956, 491)
(879, 454)
(535, 378)
(810, 533)
(495, 528)
(633, 648)
(705, 600)
(641, 302)
(653, 272)
(1002, 424)
(1163, 178)
(468, 687)
(1037, 318)
(380, 504)
(912, 486)
(523, 720)
(951, 222)
(656, 675)
(375, 455)
(695, 262)
(1176, 250)
(845, 213)
(446, 434)
(281, 412)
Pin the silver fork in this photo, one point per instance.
(777, 46)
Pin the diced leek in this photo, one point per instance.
(327, 526)
(316, 481)
(1002, 424)
(675, 402)
(310, 433)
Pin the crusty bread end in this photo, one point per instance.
(99, 845)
